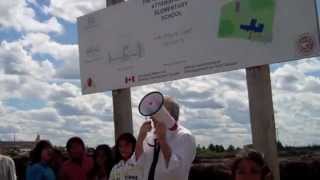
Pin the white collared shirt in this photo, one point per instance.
(183, 151)
(125, 171)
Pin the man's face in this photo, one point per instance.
(76, 151)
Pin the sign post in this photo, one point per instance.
(262, 115)
(122, 110)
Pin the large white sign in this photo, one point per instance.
(146, 41)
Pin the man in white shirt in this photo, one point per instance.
(170, 156)
(7, 168)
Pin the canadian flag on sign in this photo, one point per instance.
(130, 79)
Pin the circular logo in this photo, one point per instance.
(306, 44)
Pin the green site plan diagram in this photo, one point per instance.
(247, 19)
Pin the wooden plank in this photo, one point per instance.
(262, 115)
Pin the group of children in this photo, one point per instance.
(105, 164)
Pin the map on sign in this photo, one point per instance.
(247, 19)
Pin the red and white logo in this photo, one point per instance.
(306, 44)
(130, 79)
(89, 83)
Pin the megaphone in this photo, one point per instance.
(152, 105)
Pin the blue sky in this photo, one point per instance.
(40, 92)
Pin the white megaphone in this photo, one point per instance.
(152, 105)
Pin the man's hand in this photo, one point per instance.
(160, 130)
(145, 128)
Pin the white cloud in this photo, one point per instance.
(23, 77)
(29, 123)
(69, 10)
(307, 65)
(64, 90)
(42, 43)
(2, 108)
(16, 14)
(55, 127)
(8, 86)
(30, 88)
(97, 105)
(296, 97)
(298, 117)
(17, 61)
(68, 53)
(294, 77)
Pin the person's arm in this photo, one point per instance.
(145, 128)
(139, 147)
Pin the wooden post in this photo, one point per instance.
(262, 115)
(122, 110)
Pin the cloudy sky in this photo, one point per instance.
(40, 87)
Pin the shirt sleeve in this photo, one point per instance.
(138, 162)
(12, 170)
(182, 154)
(113, 173)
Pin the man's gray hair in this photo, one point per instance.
(172, 106)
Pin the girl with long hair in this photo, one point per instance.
(40, 158)
(124, 149)
(103, 162)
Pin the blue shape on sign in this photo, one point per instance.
(253, 26)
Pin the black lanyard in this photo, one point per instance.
(155, 159)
